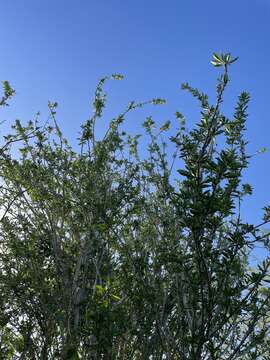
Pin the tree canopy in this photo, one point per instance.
(107, 252)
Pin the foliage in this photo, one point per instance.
(107, 253)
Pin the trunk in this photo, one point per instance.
(44, 352)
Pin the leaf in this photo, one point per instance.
(158, 101)
(266, 216)
(216, 57)
(149, 122)
(115, 297)
(247, 189)
(165, 126)
(217, 61)
(233, 60)
(117, 76)
(184, 173)
(262, 150)
(100, 289)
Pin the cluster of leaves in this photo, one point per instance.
(104, 255)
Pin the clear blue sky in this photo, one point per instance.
(58, 49)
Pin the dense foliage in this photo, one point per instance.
(113, 253)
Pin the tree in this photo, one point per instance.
(109, 254)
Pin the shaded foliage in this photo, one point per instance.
(109, 254)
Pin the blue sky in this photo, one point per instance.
(57, 50)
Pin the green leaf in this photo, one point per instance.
(247, 189)
(158, 101)
(262, 150)
(165, 126)
(117, 76)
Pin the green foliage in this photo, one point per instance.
(107, 253)
(222, 59)
(8, 93)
